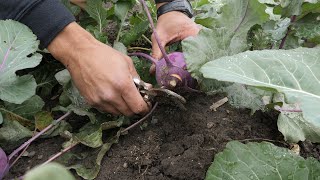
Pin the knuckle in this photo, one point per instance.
(93, 101)
(107, 96)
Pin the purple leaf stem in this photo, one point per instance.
(165, 56)
(144, 55)
(293, 19)
(141, 120)
(281, 109)
(59, 154)
(15, 152)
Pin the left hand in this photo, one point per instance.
(172, 27)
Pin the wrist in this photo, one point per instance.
(69, 42)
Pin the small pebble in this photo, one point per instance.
(125, 165)
(210, 125)
(228, 112)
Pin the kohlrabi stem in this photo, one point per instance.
(165, 56)
(293, 19)
(144, 55)
(59, 154)
(15, 152)
(141, 120)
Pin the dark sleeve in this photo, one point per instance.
(46, 18)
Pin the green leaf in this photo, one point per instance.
(120, 47)
(122, 8)
(10, 116)
(241, 96)
(17, 51)
(96, 10)
(295, 73)
(11, 133)
(295, 128)
(63, 77)
(308, 27)
(256, 161)
(28, 108)
(229, 35)
(134, 33)
(75, 10)
(51, 171)
(89, 135)
(69, 90)
(44, 75)
(91, 168)
(43, 119)
(291, 7)
(292, 124)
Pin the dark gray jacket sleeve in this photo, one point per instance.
(46, 18)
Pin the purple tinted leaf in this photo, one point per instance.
(4, 164)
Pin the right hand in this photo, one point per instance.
(102, 74)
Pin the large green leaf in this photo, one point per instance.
(96, 10)
(28, 108)
(228, 35)
(296, 73)
(92, 165)
(291, 122)
(12, 133)
(295, 128)
(291, 7)
(17, 51)
(308, 27)
(257, 161)
(51, 171)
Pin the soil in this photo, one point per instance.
(176, 144)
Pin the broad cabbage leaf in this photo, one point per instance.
(51, 171)
(256, 161)
(17, 51)
(228, 33)
(296, 73)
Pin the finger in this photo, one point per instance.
(189, 32)
(156, 52)
(108, 108)
(132, 69)
(134, 100)
(122, 107)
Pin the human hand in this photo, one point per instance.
(171, 27)
(103, 75)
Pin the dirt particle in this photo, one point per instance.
(125, 165)
(210, 125)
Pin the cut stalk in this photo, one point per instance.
(165, 56)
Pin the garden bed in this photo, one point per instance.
(176, 144)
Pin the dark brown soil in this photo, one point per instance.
(176, 144)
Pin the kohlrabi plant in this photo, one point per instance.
(171, 70)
